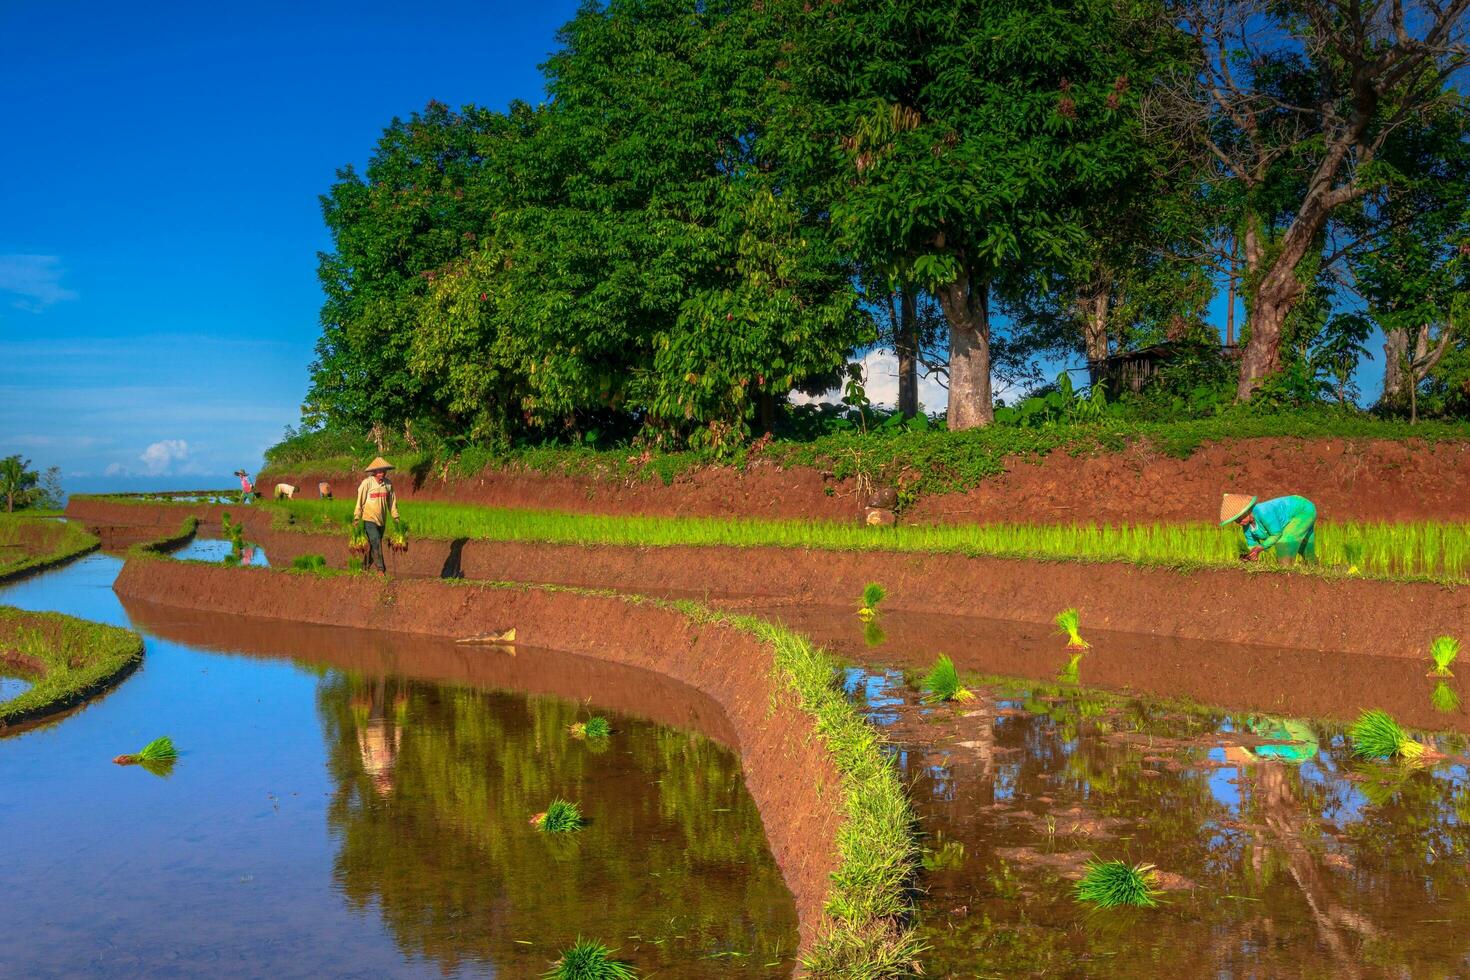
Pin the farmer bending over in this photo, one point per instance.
(375, 503)
(1287, 524)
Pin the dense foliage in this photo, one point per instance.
(721, 205)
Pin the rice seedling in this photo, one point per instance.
(942, 683)
(354, 564)
(160, 750)
(1352, 551)
(594, 727)
(588, 960)
(397, 536)
(1067, 624)
(357, 542)
(1443, 652)
(1375, 735)
(309, 563)
(561, 817)
(1071, 673)
(1109, 884)
(1444, 699)
(873, 594)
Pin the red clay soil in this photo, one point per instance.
(788, 773)
(1260, 607)
(1364, 479)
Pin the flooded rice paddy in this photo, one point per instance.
(217, 549)
(1279, 855)
(343, 815)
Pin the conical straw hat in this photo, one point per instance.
(1233, 506)
(379, 464)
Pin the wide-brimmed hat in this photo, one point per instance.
(239, 472)
(378, 464)
(1233, 507)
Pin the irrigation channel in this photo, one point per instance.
(350, 803)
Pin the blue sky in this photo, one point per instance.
(159, 221)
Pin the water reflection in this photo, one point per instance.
(1282, 855)
(435, 786)
(216, 550)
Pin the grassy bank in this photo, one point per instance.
(170, 542)
(1434, 551)
(28, 544)
(67, 660)
(923, 459)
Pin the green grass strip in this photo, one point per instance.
(169, 542)
(67, 660)
(29, 545)
(1424, 550)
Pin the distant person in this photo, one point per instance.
(324, 490)
(375, 504)
(1287, 524)
(285, 491)
(246, 488)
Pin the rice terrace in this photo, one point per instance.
(786, 488)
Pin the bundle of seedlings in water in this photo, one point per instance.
(1444, 699)
(588, 960)
(1109, 884)
(158, 756)
(1443, 652)
(1067, 623)
(397, 536)
(309, 563)
(942, 683)
(561, 817)
(594, 727)
(873, 593)
(1375, 735)
(357, 542)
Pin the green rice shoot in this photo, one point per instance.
(873, 594)
(309, 563)
(594, 727)
(1068, 622)
(1443, 652)
(561, 817)
(1444, 699)
(397, 535)
(588, 960)
(942, 683)
(1110, 884)
(161, 749)
(1375, 735)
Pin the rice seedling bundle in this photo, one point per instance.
(1375, 735)
(357, 542)
(1068, 622)
(587, 960)
(1109, 884)
(159, 750)
(873, 594)
(1443, 652)
(309, 563)
(594, 727)
(397, 536)
(561, 817)
(942, 683)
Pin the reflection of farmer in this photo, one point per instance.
(375, 504)
(1292, 741)
(377, 743)
(1287, 524)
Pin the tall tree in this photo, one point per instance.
(17, 482)
(1294, 104)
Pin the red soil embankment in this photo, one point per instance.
(787, 770)
(1349, 479)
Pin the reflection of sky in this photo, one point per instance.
(1224, 783)
(874, 689)
(210, 549)
(13, 687)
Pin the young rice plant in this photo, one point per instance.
(588, 960)
(1443, 652)
(1375, 735)
(942, 683)
(1067, 624)
(594, 727)
(873, 594)
(561, 817)
(1109, 884)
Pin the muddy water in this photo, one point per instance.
(1279, 855)
(335, 821)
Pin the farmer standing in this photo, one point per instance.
(1286, 524)
(375, 504)
(245, 487)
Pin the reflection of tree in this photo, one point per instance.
(434, 789)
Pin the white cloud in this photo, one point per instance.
(33, 282)
(161, 455)
(880, 371)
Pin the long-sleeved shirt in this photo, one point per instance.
(375, 501)
(1272, 516)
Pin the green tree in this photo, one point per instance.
(957, 144)
(17, 482)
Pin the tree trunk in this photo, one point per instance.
(906, 345)
(967, 308)
(1092, 304)
(1395, 382)
(1275, 300)
(1230, 293)
(767, 403)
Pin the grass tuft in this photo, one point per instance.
(1110, 884)
(561, 817)
(1068, 622)
(942, 683)
(1375, 735)
(1443, 652)
(588, 960)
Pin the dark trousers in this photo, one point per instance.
(375, 545)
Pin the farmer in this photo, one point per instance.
(245, 488)
(375, 504)
(1286, 524)
(285, 491)
(324, 490)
